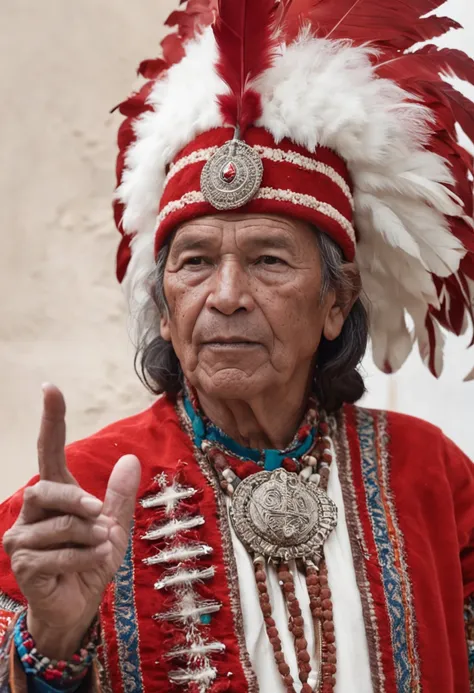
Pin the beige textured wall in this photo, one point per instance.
(63, 66)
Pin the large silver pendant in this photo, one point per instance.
(232, 176)
(278, 516)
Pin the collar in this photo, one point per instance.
(268, 459)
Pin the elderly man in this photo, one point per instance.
(259, 532)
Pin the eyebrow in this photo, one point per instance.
(187, 242)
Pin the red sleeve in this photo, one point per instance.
(460, 472)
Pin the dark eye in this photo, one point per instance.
(195, 261)
(270, 260)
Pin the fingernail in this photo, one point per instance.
(104, 548)
(91, 504)
(100, 533)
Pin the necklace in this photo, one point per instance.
(279, 516)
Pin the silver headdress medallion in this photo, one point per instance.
(232, 176)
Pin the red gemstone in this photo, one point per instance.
(229, 172)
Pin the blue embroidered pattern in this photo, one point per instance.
(395, 580)
(126, 624)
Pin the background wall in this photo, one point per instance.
(62, 67)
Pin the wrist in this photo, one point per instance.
(56, 642)
(54, 673)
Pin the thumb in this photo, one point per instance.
(120, 497)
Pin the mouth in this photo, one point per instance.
(230, 343)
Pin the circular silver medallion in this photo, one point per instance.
(232, 176)
(277, 515)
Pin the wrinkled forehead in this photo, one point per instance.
(247, 231)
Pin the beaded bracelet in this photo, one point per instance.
(59, 673)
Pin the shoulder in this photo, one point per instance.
(409, 438)
(152, 435)
(406, 426)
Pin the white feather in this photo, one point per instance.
(318, 92)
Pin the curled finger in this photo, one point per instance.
(48, 497)
(54, 532)
(28, 564)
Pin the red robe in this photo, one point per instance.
(409, 502)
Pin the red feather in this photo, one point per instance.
(245, 38)
(196, 15)
(173, 50)
(398, 24)
(151, 69)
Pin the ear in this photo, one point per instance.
(165, 330)
(341, 300)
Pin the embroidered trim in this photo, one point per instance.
(169, 497)
(9, 604)
(408, 625)
(189, 198)
(229, 557)
(171, 528)
(189, 609)
(390, 547)
(195, 197)
(184, 577)
(126, 624)
(186, 607)
(102, 661)
(182, 676)
(193, 158)
(360, 552)
(180, 553)
(307, 201)
(279, 155)
(275, 155)
(7, 646)
(196, 650)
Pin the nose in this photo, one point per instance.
(230, 292)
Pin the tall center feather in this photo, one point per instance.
(245, 37)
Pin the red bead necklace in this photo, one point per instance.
(313, 468)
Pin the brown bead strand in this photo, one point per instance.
(328, 661)
(227, 476)
(270, 625)
(296, 625)
(317, 580)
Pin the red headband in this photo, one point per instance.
(313, 187)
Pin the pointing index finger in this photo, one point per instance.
(52, 437)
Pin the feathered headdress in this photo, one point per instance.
(327, 111)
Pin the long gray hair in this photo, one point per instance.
(336, 378)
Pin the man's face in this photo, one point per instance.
(245, 315)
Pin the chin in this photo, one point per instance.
(231, 383)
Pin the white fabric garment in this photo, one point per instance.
(353, 669)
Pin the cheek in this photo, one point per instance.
(296, 319)
(184, 305)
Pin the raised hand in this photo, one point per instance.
(67, 545)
